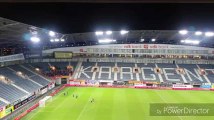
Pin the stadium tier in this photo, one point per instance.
(2, 103)
(183, 73)
(19, 80)
(24, 80)
(11, 93)
(18, 83)
(51, 69)
(30, 74)
(117, 71)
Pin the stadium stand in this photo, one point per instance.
(126, 70)
(87, 68)
(2, 103)
(209, 73)
(149, 72)
(146, 72)
(10, 93)
(22, 82)
(60, 68)
(160, 72)
(105, 68)
(36, 78)
(42, 65)
(169, 68)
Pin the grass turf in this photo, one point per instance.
(116, 104)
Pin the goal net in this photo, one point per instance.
(45, 100)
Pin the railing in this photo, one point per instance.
(125, 60)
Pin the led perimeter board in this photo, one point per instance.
(63, 55)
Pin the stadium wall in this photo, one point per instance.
(127, 60)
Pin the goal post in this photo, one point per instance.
(44, 100)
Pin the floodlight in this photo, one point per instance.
(108, 32)
(53, 68)
(122, 32)
(189, 41)
(106, 40)
(2, 77)
(196, 42)
(37, 69)
(209, 34)
(35, 39)
(153, 40)
(142, 40)
(198, 33)
(183, 32)
(19, 73)
(99, 32)
(182, 41)
(56, 40)
(51, 33)
(52, 40)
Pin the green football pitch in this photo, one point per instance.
(116, 104)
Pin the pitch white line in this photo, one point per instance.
(41, 109)
(84, 109)
(166, 103)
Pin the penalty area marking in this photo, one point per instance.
(39, 110)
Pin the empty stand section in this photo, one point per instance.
(151, 72)
(10, 93)
(19, 80)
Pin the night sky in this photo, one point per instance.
(74, 18)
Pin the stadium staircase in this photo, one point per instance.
(77, 68)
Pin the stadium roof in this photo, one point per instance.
(13, 33)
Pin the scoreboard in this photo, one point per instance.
(63, 55)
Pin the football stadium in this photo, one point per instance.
(105, 74)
